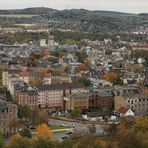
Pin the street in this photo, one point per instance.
(79, 127)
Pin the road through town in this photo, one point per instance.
(79, 127)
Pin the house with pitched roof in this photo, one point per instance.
(124, 112)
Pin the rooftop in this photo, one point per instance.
(60, 86)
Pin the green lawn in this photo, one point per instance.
(56, 127)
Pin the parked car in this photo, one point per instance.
(73, 126)
(68, 133)
(64, 137)
(64, 125)
(32, 127)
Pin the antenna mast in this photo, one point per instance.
(42, 3)
(67, 4)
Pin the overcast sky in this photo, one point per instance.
(135, 6)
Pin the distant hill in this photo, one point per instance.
(78, 19)
(143, 14)
(110, 12)
(33, 10)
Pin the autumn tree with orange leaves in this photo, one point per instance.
(114, 78)
(44, 53)
(43, 131)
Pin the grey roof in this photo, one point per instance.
(25, 89)
(60, 86)
(80, 95)
(105, 94)
(138, 96)
(5, 104)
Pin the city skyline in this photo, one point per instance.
(131, 6)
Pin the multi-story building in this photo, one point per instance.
(137, 103)
(50, 41)
(77, 101)
(12, 83)
(131, 99)
(102, 102)
(5, 78)
(8, 117)
(60, 79)
(51, 96)
(35, 78)
(7, 75)
(24, 76)
(25, 95)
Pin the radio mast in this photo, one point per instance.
(42, 3)
(67, 4)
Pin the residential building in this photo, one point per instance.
(138, 104)
(25, 95)
(51, 96)
(124, 112)
(77, 101)
(12, 83)
(100, 101)
(43, 43)
(24, 76)
(60, 79)
(8, 117)
(7, 75)
(131, 98)
(50, 41)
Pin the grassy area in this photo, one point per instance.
(56, 127)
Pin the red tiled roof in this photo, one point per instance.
(23, 74)
(122, 110)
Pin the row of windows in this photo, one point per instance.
(138, 100)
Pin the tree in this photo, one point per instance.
(26, 133)
(24, 112)
(112, 128)
(86, 141)
(37, 117)
(141, 125)
(1, 71)
(138, 68)
(18, 141)
(32, 57)
(81, 67)
(67, 143)
(132, 133)
(101, 144)
(81, 56)
(114, 78)
(92, 128)
(8, 96)
(1, 139)
(86, 82)
(75, 113)
(43, 131)
(44, 53)
(42, 143)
